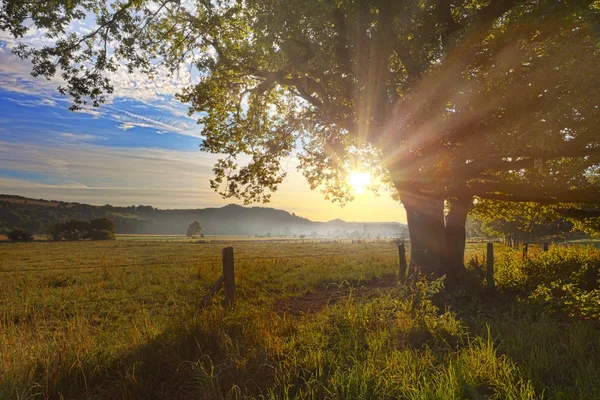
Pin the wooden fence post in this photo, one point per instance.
(402, 259)
(525, 246)
(545, 246)
(490, 265)
(229, 276)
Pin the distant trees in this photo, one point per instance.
(193, 229)
(530, 221)
(73, 229)
(20, 235)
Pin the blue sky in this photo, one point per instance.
(139, 148)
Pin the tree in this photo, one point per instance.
(445, 100)
(102, 224)
(101, 235)
(75, 229)
(101, 229)
(20, 235)
(97, 229)
(193, 229)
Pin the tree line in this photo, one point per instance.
(73, 229)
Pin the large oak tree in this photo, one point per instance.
(446, 100)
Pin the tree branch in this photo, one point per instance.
(523, 192)
(412, 68)
(578, 213)
(498, 163)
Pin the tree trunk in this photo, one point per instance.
(456, 235)
(425, 217)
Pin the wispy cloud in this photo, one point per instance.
(164, 178)
(33, 103)
(84, 137)
(131, 120)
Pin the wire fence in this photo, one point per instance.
(15, 270)
(178, 263)
(171, 260)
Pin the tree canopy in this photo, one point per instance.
(193, 229)
(73, 229)
(445, 100)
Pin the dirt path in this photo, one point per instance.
(332, 293)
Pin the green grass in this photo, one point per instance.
(337, 326)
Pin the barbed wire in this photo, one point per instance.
(176, 263)
(99, 266)
(7, 309)
(151, 263)
(186, 257)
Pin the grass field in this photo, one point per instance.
(120, 320)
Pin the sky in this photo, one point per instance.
(140, 147)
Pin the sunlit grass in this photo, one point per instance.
(337, 326)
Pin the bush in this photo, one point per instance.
(565, 279)
(20, 235)
(101, 235)
(96, 229)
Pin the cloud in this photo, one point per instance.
(79, 137)
(96, 174)
(33, 103)
(15, 77)
(125, 126)
(130, 120)
(90, 111)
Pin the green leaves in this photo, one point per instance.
(442, 94)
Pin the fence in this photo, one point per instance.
(217, 240)
(226, 280)
(490, 260)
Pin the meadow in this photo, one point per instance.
(120, 319)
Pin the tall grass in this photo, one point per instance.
(354, 332)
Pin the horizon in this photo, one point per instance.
(204, 208)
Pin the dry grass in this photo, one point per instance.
(120, 320)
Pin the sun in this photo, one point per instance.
(359, 180)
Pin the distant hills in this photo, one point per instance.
(36, 215)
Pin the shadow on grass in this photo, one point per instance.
(363, 347)
(557, 352)
(204, 357)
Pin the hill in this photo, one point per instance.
(36, 215)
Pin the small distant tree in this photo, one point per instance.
(20, 235)
(193, 229)
(101, 229)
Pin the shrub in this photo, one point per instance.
(101, 235)
(101, 229)
(96, 229)
(20, 235)
(564, 279)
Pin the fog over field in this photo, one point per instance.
(37, 215)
